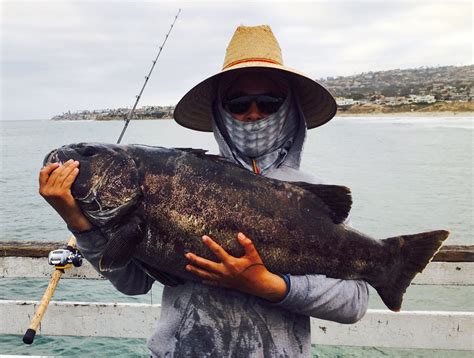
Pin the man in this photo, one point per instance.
(259, 111)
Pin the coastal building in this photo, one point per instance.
(413, 98)
(344, 102)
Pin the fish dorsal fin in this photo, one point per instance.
(193, 150)
(203, 153)
(337, 198)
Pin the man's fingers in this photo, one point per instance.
(216, 248)
(64, 178)
(57, 176)
(248, 245)
(45, 172)
(204, 263)
(71, 177)
(205, 275)
(63, 172)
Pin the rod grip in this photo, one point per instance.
(29, 336)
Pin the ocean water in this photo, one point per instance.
(406, 175)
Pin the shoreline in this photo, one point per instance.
(340, 114)
(406, 114)
(438, 109)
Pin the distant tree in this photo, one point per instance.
(404, 91)
(390, 92)
(356, 96)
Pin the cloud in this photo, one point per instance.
(72, 55)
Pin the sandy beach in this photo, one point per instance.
(406, 114)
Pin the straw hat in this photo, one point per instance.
(254, 48)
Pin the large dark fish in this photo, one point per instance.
(154, 204)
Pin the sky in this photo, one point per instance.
(65, 55)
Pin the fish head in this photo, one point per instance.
(107, 186)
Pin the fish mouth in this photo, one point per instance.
(77, 151)
(53, 157)
(57, 155)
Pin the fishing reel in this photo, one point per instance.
(65, 258)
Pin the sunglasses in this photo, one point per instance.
(266, 103)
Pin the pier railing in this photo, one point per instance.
(453, 265)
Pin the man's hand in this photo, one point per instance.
(55, 183)
(247, 273)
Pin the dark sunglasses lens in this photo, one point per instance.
(268, 104)
(239, 105)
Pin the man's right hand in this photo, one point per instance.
(55, 183)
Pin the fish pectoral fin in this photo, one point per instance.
(117, 253)
(120, 248)
(337, 198)
(160, 276)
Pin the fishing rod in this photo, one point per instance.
(66, 258)
(147, 77)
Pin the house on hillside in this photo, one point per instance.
(413, 98)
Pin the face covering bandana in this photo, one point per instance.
(256, 138)
(263, 142)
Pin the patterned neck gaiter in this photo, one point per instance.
(256, 138)
(265, 142)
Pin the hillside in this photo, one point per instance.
(438, 107)
(425, 89)
(444, 83)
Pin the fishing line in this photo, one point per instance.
(147, 77)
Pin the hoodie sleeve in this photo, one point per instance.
(130, 280)
(343, 301)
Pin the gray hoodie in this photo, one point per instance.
(203, 321)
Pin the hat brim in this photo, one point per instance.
(194, 110)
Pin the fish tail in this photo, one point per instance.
(416, 251)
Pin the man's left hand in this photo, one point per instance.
(247, 273)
